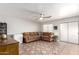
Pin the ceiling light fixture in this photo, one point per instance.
(41, 18)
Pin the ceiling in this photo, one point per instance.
(31, 11)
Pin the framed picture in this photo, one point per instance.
(55, 27)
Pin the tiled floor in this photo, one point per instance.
(48, 48)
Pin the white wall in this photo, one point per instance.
(58, 22)
(16, 25)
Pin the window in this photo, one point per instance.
(47, 28)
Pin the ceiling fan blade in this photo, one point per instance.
(47, 17)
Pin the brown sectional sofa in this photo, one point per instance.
(30, 36)
(33, 36)
(47, 36)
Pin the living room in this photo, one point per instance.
(39, 29)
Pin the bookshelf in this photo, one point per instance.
(3, 28)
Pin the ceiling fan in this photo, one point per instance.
(39, 15)
(42, 16)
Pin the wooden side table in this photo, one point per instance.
(10, 47)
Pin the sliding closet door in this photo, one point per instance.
(63, 32)
(73, 32)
